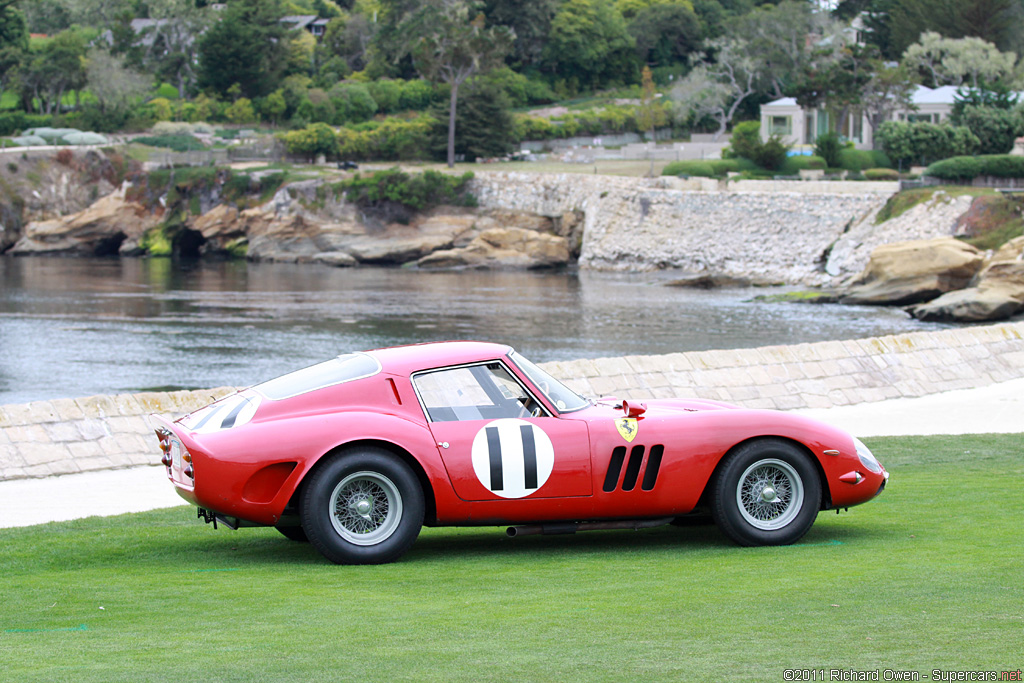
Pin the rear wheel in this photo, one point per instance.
(362, 506)
(767, 493)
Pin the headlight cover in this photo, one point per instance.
(867, 458)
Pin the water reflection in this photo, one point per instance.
(72, 327)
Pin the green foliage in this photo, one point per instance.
(12, 122)
(996, 128)
(711, 168)
(388, 140)
(157, 242)
(520, 90)
(312, 141)
(881, 174)
(590, 45)
(241, 111)
(746, 143)
(178, 143)
(828, 147)
(167, 91)
(859, 159)
(352, 102)
(483, 125)
(793, 165)
(964, 167)
(923, 143)
(417, 192)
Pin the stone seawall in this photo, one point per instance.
(65, 436)
(779, 231)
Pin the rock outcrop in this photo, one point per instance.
(914, 272)
(108, 226)
(996, 294)
(503, 248)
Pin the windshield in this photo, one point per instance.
(344, 368)
(563, 398)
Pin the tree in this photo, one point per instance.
(13, 42)
(53, 71)
(451, 47)
(890, 89)
(484, 127)
(530, 21)
(248, 46)
(590, 45)
(169, 46)
(114, 86)
(717, 89)
(952, 61)
(786, 39)
(835, 77)
(666, 33)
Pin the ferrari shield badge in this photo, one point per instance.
(627, 427)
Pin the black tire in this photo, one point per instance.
(767, 492)
(363, 506)
(293, 533)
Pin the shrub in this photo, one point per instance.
(881, 174)
(178, 143)
(860, 159)
(746, 139)
(794, 165)
(964, 167)
(710, 168)
(311, 141)
(924, 143)
(995, 128)
(385, 191)
(828, 147)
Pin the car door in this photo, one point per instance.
(497, 441)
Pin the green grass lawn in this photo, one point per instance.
(928, 576)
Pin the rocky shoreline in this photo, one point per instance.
(714, 233)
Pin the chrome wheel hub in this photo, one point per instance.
(365, 508)
(770, 494)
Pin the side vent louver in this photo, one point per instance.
(633, 468)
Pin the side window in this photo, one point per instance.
(477, 392)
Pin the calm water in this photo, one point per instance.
(76, 327)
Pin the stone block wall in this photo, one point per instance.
(64, 436)
(102, 432)
(818, 375)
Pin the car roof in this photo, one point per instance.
(405, 360)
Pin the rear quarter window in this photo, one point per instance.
(344, 368)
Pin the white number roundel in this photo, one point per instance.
(512, 458)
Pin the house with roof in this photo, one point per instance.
(798, 126)
(306, 22)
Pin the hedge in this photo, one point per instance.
(860, 159)
(709, 168)
(964, 167)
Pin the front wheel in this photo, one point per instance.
(767, 493)
(363, 506)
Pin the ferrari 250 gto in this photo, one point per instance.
(357, 453)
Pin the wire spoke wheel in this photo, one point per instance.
(766, 492)
(366, 508)
(769, 494)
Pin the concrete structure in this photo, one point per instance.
(800, 127)
(48, 438)
(701, 225)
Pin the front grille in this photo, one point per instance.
(634, 466)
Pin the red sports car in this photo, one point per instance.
(357, 453)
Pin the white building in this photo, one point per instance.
(797, 126)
